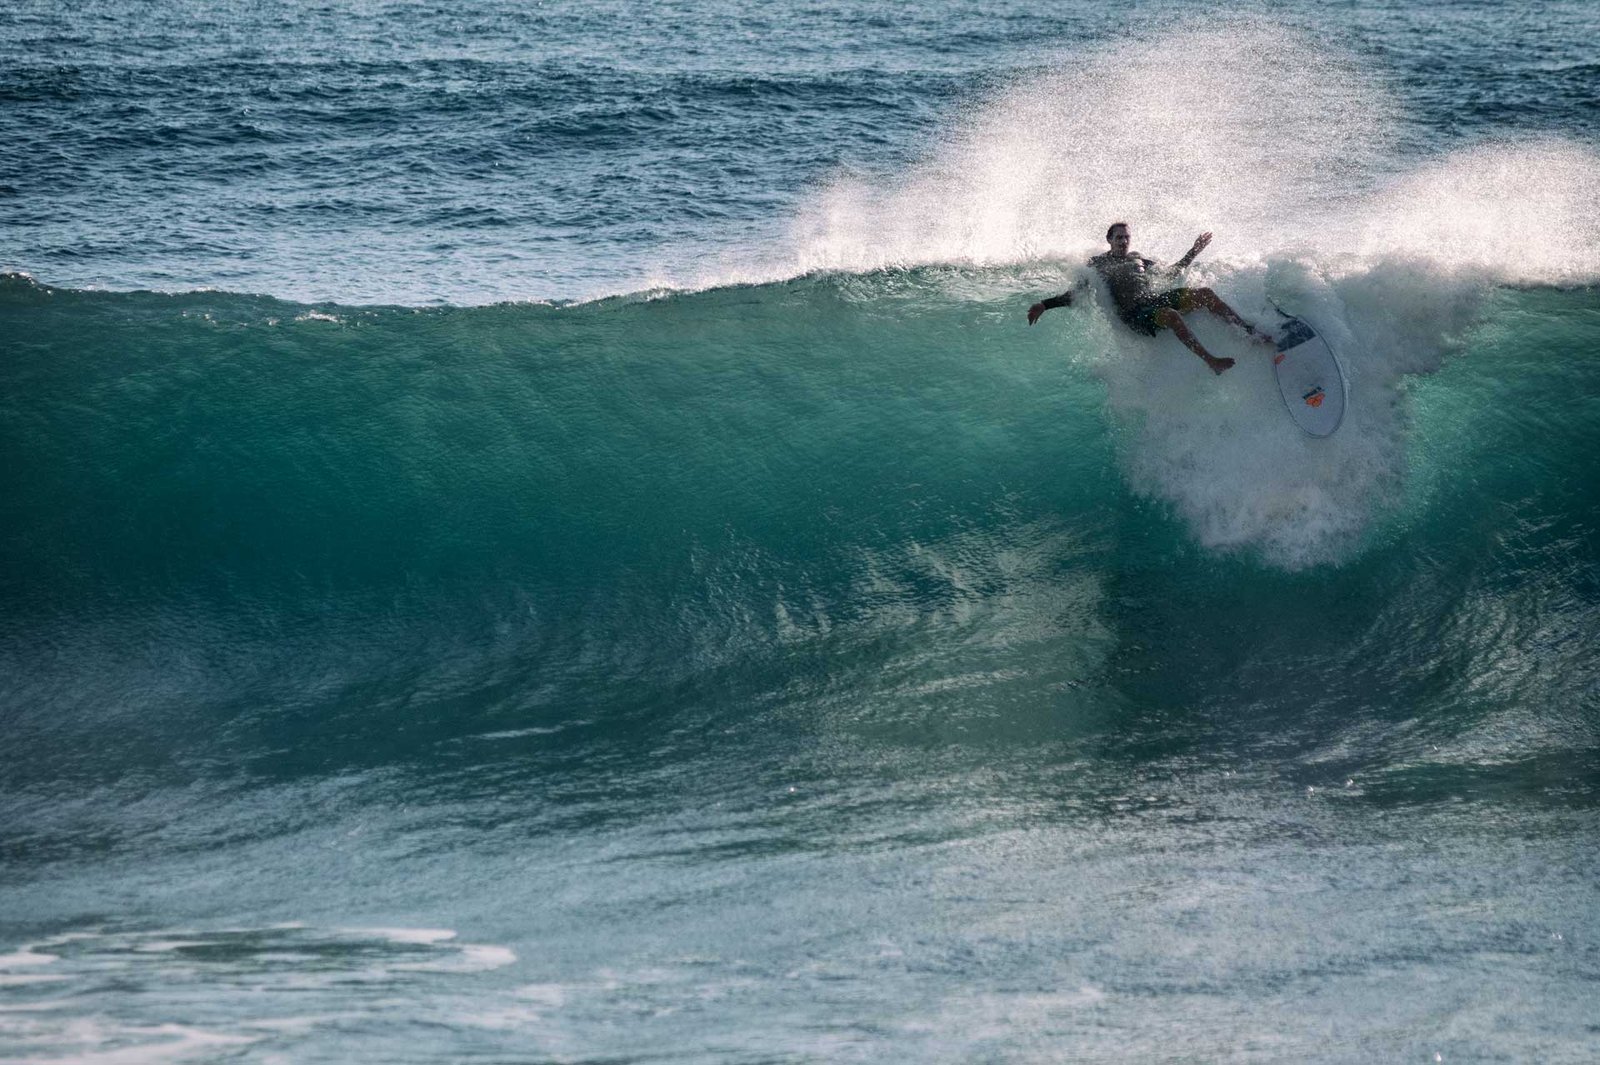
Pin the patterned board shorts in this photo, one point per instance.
(1141, 317)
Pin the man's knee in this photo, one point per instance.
(1204, 294)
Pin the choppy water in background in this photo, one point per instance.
(400, 152)
(767, 648)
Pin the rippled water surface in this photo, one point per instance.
(540, 532)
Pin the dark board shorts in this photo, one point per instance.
(1141, 317)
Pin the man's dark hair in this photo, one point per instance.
(1113, 228)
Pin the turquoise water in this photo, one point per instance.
(544, 535)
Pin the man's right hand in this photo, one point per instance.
(1035, 311)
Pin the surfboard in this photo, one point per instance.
(1310, 378)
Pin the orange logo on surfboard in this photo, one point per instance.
(1314, 397)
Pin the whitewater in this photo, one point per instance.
(542, 532)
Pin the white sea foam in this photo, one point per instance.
(1221, 451)
(26, 979)
(89, 1041)
(420, 936)
(25, 958)
(259, 964)
(471, 958)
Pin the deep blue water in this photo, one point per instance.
(540, 533)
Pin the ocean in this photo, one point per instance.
(540, 532)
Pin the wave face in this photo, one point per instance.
(637, 491)
(608, 638)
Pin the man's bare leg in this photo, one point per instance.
(1173, 321)
(1204, 297)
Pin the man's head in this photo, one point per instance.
(1119, 236)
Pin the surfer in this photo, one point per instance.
(1131, 278)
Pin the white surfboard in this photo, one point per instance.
(1310, 378)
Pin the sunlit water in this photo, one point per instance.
(579, 557)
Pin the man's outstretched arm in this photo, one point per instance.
(1200, 243)
(1063, 300)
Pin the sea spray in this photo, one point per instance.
(1519, 212)
(1286, 147)
(1274, 141)
(1242, 129)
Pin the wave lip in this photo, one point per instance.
(1280, 144)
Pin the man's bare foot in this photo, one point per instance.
(1219, 365)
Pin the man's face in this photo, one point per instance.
(1120, 239)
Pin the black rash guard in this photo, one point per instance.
(1130, 277)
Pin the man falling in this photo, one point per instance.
(1131, 278)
